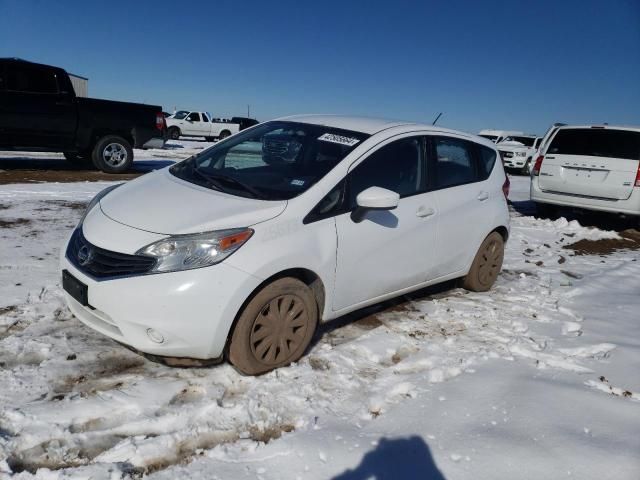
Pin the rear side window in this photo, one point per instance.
(487, 161)
(454, 162)
(596, 142)
(31, 79)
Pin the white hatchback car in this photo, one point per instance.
(589, 167)
(242, 249)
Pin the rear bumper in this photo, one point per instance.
(629, 206)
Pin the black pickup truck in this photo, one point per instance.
(39, 111)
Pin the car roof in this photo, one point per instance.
(370, 125)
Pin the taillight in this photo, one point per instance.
(159, 121)
(505, 187)
(637, 184)
(537, 166)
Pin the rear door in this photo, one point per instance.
(37, 112)
(593, 162)
(465, 199)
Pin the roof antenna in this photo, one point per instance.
(437, 118)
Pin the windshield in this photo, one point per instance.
(526, 141)
(180, 115)
(493, 138)
(273, 161)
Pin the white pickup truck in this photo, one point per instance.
(186, 123)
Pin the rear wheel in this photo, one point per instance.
(486, 264)
(174, 133)
(112, 154)
(224, 134)
(275, 328)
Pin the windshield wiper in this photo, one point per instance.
(234, 181)
(215, 180)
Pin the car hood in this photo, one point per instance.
(161, 203)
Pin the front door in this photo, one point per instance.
(388, 250)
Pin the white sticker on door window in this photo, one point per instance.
(333, 138)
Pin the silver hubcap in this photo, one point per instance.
(115, 155)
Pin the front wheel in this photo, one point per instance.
(112, 154)
(526, 170)
(275, 327)
(486, 264)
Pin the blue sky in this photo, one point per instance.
(487, 64)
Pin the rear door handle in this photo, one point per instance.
(482, 196)
(425, 211)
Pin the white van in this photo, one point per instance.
(590, 167)
(496, 136)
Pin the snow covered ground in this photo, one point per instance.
(538, 378)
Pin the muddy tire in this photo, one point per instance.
(112, 154)
(486, 265)
(275, 327)
(174, 133)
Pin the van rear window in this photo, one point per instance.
(596, 143)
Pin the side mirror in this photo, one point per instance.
(374, 198)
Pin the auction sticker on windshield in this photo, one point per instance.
(333, 138)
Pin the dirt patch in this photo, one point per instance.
(62, 203)
(16, 222)
(630, 241)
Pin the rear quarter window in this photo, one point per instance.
(487, 157)
(596, 143)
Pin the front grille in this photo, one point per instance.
(101, 263)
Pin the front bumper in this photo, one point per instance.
(192, 310)
(514, 162)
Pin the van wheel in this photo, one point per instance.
(174, 133)
(112, 154)
(275, 327)
(486, 265)
(224, 134)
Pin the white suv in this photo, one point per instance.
(590, 167)
(240, 251)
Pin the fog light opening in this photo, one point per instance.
(155, 336)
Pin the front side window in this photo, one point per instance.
(31, 79)
(397, 166)
(193, 117)
(596, 142)
(274, 161)
(454, 162)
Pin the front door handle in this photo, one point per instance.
(482, 196)
(425, 211)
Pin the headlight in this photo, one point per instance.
(184, 252)
(95, 200)
(521, 154)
